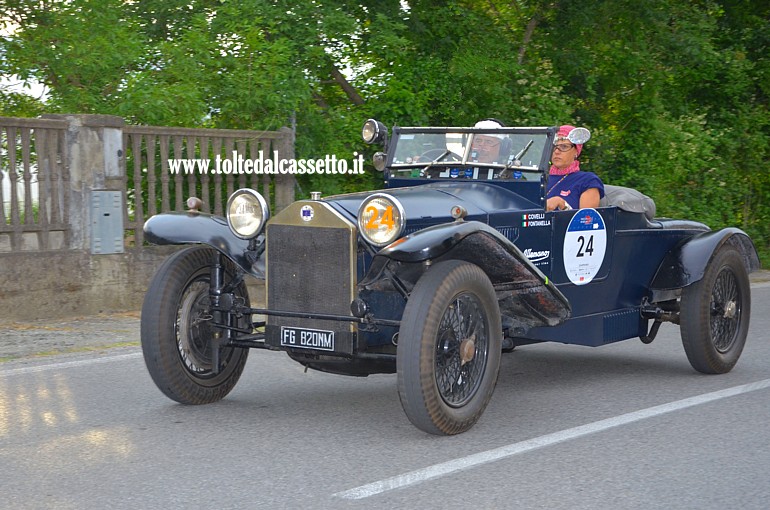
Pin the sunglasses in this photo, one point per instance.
(563, 147)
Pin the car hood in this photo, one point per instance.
(435, 200)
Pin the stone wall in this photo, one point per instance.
(56, 284)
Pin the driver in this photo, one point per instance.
(486, 148)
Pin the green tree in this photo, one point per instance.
(675, 93)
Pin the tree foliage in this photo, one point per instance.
(675, 93)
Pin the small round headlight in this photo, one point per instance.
(379, 160)
(247, 213)
(373, 131)
(381, 219)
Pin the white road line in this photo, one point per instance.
(68, 364)
(478, 459)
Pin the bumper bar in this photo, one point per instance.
(318, 316)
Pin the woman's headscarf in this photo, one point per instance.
(575, 166)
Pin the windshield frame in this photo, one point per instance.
(394, 170)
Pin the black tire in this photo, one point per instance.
(714, 314)
(452, 309)
(176, 331)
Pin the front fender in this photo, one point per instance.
(433, 242)
(200, 228)
(523, 290)
(686, 262)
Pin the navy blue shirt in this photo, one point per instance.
(571, 186)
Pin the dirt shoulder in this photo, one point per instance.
(77, 334)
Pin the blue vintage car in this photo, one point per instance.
(434, 277)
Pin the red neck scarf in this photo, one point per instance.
(574, 167)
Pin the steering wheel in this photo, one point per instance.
(432, 154)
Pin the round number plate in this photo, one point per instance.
(585, 244)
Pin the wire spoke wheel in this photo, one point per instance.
(714, 314)
(461, 350)
(725, 310)
(449, 348)
(194, 331)
(178, 330)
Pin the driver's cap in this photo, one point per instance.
(490, 124)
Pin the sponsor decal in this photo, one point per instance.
(306, 213)
(534, 220)
(536, 256)
(565, 192)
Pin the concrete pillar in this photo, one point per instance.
(285, 184)
(93, 151)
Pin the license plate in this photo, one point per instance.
(305, 338)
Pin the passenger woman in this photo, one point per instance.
(568, 186)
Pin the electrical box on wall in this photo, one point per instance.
(106, 222)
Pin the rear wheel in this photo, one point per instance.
(449, 348)
(177, 331)
(714, 314)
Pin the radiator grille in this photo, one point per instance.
(309, 270)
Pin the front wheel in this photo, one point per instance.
(449, 348)
(714, 314)
(177, 330)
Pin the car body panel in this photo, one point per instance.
(687, 262)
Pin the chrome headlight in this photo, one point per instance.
(374, 131)
(379, 160)
(381, 219)
(247, 213)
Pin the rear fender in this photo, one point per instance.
(523, 291)
(201, 228)
(686, 262)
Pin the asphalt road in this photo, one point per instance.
(621, 426)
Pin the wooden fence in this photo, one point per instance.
(44, 162)
(155, 186)
(33, 185)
